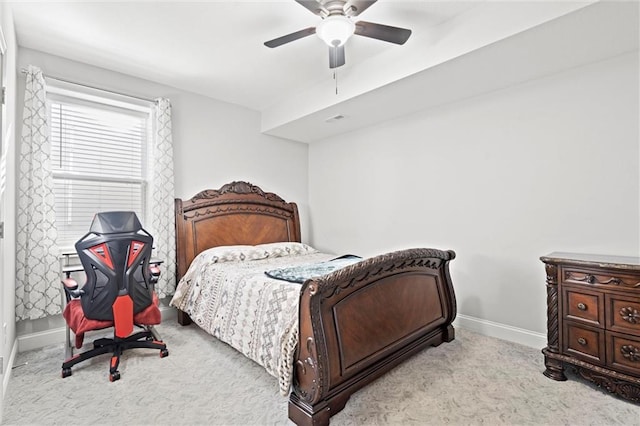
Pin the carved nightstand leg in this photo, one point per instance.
(555, 368)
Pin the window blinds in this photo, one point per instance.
(98, 160)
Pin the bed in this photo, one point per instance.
(352, 324)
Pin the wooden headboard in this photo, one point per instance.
(237, 213)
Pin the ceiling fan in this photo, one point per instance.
(336, 27)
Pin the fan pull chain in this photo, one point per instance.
(335, 77)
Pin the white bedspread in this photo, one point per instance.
(226, 293)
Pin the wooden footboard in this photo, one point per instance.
(363, 320)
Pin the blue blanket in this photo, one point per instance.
(301, 273)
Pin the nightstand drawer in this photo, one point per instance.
(623, 313)
(584, 305)
(623, 352)
(584, 342)
(599, 277)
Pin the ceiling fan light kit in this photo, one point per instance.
(335, 30)
(336, 27)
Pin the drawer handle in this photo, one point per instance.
(582, 306)
(630, 315)
(582, 341)
(630, 352)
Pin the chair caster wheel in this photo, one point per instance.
(66, 372)
(114, 376)
(164, 353)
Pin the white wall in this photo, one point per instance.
(503, 178)
(7, 271)
(214, 143)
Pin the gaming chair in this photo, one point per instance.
(118, 291)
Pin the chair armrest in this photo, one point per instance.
(70, 283)
(155, 273)
(71, 288)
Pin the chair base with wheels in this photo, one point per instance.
(80, 324)
(143, 339)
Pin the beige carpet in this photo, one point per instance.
(472, 380)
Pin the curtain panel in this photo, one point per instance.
(161, 196)
(37, 265)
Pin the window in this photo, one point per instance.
(98, 154)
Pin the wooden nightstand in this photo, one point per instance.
(593, 320)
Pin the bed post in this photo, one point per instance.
(183, 318)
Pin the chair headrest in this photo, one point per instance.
(115, 222)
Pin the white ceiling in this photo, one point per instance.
(215, 48)
(210, 47)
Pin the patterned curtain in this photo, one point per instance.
(37, 264)
(160, 198)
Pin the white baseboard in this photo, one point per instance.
(40, 339)
(501, 331)
(55, 336)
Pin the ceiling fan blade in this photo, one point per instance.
(356, 7)
(336, 56)
(290, 37)
(312, 5)
(382, 32)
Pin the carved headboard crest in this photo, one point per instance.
(236, 187)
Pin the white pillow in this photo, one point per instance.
(284, 249)
(244, 253)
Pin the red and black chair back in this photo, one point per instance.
(115, 255)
